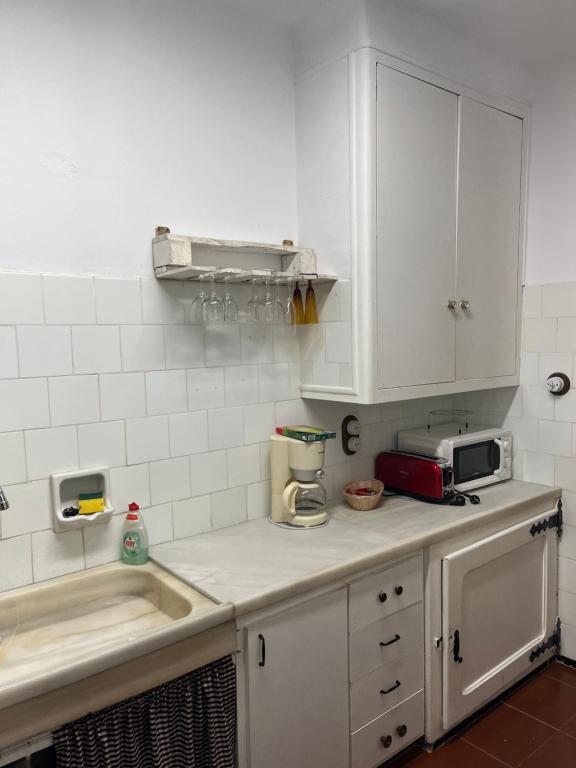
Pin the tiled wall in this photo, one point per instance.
(105, 371)
(544, 426)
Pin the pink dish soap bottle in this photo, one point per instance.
(134, 537)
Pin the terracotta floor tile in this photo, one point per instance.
(557, 752)
(455, 754)
(508, 734)
(561, 672)
(546, 699)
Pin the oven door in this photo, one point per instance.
(478, 463)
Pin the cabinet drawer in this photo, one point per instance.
(382, 738)
(401, 634)
(378, 692)
(374, 597)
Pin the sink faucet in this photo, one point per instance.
(4, 503)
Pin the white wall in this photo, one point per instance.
(337, 26)
(118, 116)
(552, 200)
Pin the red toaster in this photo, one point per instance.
(413, 475)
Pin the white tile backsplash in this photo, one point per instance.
(8, 353)
(169, 480)
(166, 392)
(147, 439)
(29, 509)
(241, 384)
(205, 388)
(188, 433)
(44, 350)
(225, 428)
(192, 516)
(184, 346)
(74, 399)
(96, 349)
(158, 521)
(142, 347)
(56, 554)
(122, 395)
(162, 301)
(12, 458)
(21, 299)
(118, 300)
(208, 472)
(229, 507)
(128, 484)
(539, 334)
(259, 422)
(23, 404)
(102, 444)
(243, 465)
(69, 300)
(15, 562)
(51, 450)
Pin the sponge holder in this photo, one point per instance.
(66, 486)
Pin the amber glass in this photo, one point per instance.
(298, 306)
(311, 311)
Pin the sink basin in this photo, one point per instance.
(54, 625)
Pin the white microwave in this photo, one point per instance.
(478, 456)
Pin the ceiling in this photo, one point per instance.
(535, 34)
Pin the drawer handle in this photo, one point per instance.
(402, 730)
(397, 684)
(386, 740)
(399, 589)
(390, 642)
(382, 597)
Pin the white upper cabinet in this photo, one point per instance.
(417, 137)
(429, 231)
(489, 195)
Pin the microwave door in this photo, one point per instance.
(475, 461)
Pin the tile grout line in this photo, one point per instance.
(484, 752)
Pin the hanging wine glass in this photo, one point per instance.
(230, 306)
(213, 307)
(269, 306)
(253, 307)
(288, 307)
(196, 308)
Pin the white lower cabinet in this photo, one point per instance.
(349, 677)
(499, 605)
(296, 686)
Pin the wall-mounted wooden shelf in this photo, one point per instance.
(179, 257)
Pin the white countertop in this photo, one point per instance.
(255, 564)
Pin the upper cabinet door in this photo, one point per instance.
(489, 197)
(417, 142)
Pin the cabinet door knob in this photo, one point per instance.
(402, 730)
(452, 304)
(399, 589)
(382, 597)
(465, 304)
(386, 740)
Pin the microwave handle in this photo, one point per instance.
(500, 445)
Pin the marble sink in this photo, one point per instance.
(91, 620)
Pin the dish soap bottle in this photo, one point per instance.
(134, 538)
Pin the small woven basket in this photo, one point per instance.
(363, 503)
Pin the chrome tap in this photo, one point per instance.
(4, 503)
